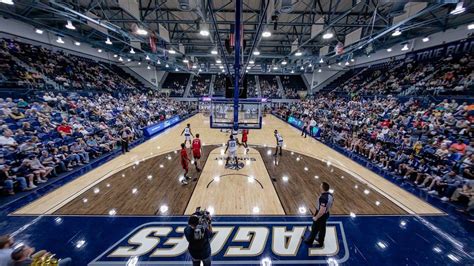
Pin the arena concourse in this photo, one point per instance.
(217, 132)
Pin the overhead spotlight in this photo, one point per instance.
(139, 63)
(389, 50)
(310, 65)
(200, 70)
(320, 70)
(221, 67)
(218, 61)
(39, 31)
(223, 71)
(275, 68)
(171, 51)
(120, 59)
(194, 66)
(185, 60)
(321, 60)
(132, 51)
(247, 71)
(176, 69)
(60, 40)
(347, 63)
(329, 66)
(147, 57)
(99, 50)
(302, 67)
(298, 53)
(142, 32)
(249, 67)
(108, 41)
(266, 33)
(128, 59)
(405, 47)
(352, 59)
(214, 51)
(470, 26)
(167, 65)
(256, 52)
(7, 2)
(426, 39)
(339, 63)
(284, 62)
(397, 32)
(251, 62)
(459, 9)
(148, 67)
(77, 43)
(204, 32)
(328, 35)
(158, 62)
(292, 71)
(115, 55)
(70, 26)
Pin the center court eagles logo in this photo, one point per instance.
(242, 161)
(237, 243)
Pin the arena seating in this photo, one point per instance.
(252, 91)
(269, 86)
(177, 83)
(219, 85)
(55, 133)
(71, 71)
(404, 139)
(291, 85)
(200, 85)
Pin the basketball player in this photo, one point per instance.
(232, 147)
(196, 147)
(245, 134)
(187, 134)
(184, 163)
(279, 143)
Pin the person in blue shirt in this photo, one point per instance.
(199, 248)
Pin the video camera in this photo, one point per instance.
(204, 222)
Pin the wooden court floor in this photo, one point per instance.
(146, 179)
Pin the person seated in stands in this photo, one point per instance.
(64, 129)
(21, 103)
(40, 171)
(76, 148)
(458, 147)
(16, 114)
(8, 180)
(7, 141)
(6, 249)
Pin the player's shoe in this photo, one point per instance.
(184, 182)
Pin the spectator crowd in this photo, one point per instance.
(56, 133)
(429, 145)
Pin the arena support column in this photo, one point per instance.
(237, 45)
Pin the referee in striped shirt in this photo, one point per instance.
(318, 227)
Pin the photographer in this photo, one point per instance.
(199, 233)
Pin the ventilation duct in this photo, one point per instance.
(286, 6)
(184, 5)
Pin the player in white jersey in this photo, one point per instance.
(232, 148)
(279, 141)
(187, 134)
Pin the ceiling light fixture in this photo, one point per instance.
(292, 71)
(284, 62)
(310, 65)
(256, 52)
(251, 62)
(171, 51)
(275, 68)
(70, 26)
(298, 53)
(142, 32)
(459, 9)
(120, 59)
(185, 60)
(39, 31)
(158, 62)
(108, 41)
(77, 43)
(204, 32)
(218, 61)
(115, 55)
(214, 51)
(167, 65)
(405, 47)
(266, 34)
(128, 59)
(328, 35)
(176, 69)
(320, 70)
(147, 57)
(60, 40)
(470, 26)
(426, 39)
(347, 63)
(7, 2)
(99, 50)
(389, 50)
(148, 67)
(397, 32)
(321, 60)
(132, 51)
(302, 67)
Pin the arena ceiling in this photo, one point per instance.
(359, 26)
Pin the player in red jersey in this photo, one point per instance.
(196, 147)
(245, 134)
(184, 163)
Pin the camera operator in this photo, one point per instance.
(199, 233)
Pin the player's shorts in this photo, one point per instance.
(280, 144)
(185, 166)
(196, 155)
(232, 154)
(244, 139)
(187, 137)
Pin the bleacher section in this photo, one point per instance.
(176, 82)
(219, 86)
(200, 85)
(291, 85)
(269, 86)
